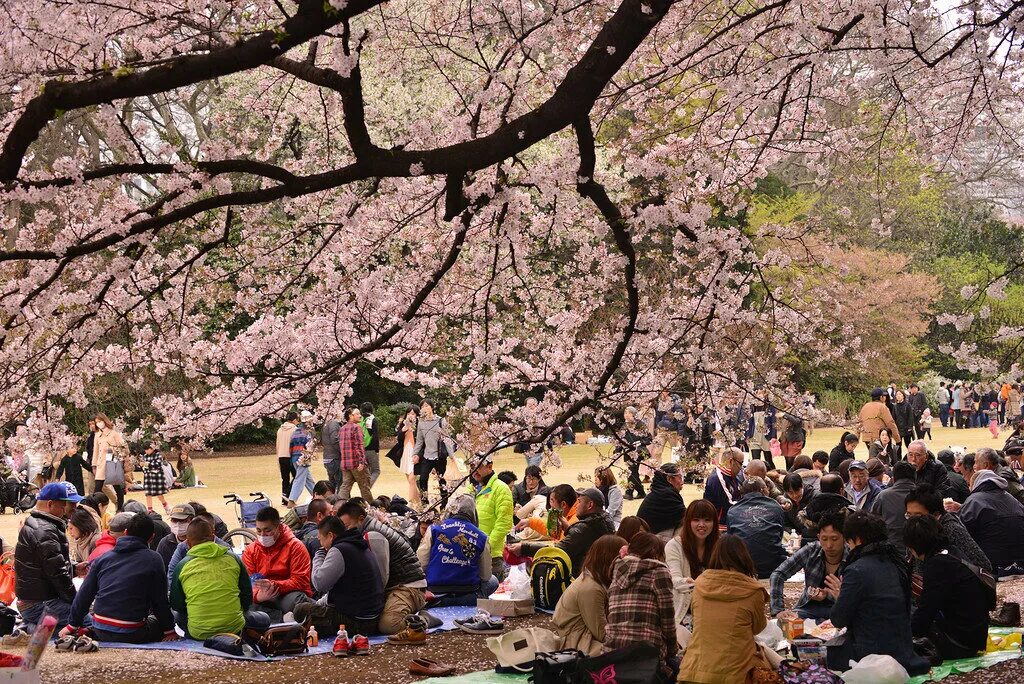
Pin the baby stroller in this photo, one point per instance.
(16, 494)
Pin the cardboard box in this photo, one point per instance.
(506, 607)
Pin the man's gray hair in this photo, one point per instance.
(986, 458)
(119, 523)
(918, 443)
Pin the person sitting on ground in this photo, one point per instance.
(924, 500)
(728, 610)
(400, 570)
(877, 472)
(799, 496)
(186, 472)
(99, 503)
(926, 469)
(455, 555)
(818, 561)
(562, 498)
(757, 468)
(819, 461)
(592, 524)
(82, 535)
(220, 528)
(630, 526)
(958, 487)
(996, 521)
(663, 508)
(688, 554)
(604, 479)
(989, 459)
(293, 516)
(182, 548)
(211, 592)
(107, 540)
(281, 563)
(722, 487)
(885, 448)
(181, 515)
(161, 528)
(760, 522)
(530, 496)
(308, 533)
(847, 448)
(804, 467)
(862, 490)
(640, 602)
(581, 612)
(952, 610)
(346, 572)
(890, 504)
(126, 591)
(42, 564)
(872, 598)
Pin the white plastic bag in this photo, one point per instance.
(875, 669)
(771, 635)
(519, 583)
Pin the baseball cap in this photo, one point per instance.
(858, 465)
(59, 491)
(306, 415)
(182, 512)
(595, 495)
(877, 392)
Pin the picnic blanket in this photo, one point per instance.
(952, 667)
(446, 615)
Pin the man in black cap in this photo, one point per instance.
(874, 416)
(593, 522)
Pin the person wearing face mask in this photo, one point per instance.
(210, 589)
(182, 549)
(181, 516)
(282, 563)
(42, 562)
(108, 445)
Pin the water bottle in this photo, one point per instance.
(342, 634)
(312, 638)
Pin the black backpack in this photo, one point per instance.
(550, 576)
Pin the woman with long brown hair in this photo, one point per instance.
(728, 610)
(688, 554)
(604, 479)
(108, 446)
(582, 611)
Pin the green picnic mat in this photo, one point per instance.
(483, 677)
(951, 667)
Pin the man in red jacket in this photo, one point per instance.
(279, 566)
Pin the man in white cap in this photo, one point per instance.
(300, 459)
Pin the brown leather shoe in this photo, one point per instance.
(425, 667)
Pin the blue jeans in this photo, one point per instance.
(944, 414)
(254, 619)
(333, 473)
(486, 588)
(303, 478)
(535, 458)
(59, 608)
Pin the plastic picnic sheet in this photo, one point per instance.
(951, 667)
(482, 677)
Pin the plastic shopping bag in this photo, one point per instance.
(519, 583)
(876, 669)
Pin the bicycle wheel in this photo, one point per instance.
(239, 538)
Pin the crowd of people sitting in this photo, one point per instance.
(893, 550)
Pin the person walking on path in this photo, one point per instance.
(352, 457)
(284, 453)
(433, 446)
(371, 437)
(301, 458)
(329, 439)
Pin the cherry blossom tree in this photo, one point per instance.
(490, 197)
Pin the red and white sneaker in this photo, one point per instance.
(342, 647)
(360, 645)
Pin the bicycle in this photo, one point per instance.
(246, 511)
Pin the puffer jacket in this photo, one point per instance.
(494, 512)
(403, 565)
(995, 520)
(287, 563)
(42, 565)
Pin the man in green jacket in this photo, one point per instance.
(210, 589)
(494, 511)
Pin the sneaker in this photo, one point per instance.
(84, 644)
(483, 624)
(479, 615)
(414, 634)
(342, 648)
(18, 637)
(360, 645)
(64, 644)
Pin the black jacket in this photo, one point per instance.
(953, 601)
(581, 536)
(918, 403)
(837, 456)
(995, 520)
(663, 508)
(903, 415)
(934, 473)
(521, 497)
(822, 503)
(958, 489)
(403, 565)
(42, 564)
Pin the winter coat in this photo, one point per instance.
(958, 487)
(212, 587)
(838, 455)
(286, 563)
(123, 588)
(578, 538)
(613, 504)
(494, 512)
(904, 417)
(821, 504)
(874, 607)
(888, 454)
(108, 440)
(521, 497)
(960, 542)
(348, 574)
(995, 520)
(42, 566)
(918, 404)
(728, 610)
(873, 417)
(760, 521)
(403, 565)
(722, 489)
(329, 440)
(663, 508)
(891, 505)
(70, 470)
(934, 473)
(103, 544)
(874, 489)
(640, 607)
(954, 601)
(581, 614)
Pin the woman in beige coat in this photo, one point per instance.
(108, 445)
(582, 612)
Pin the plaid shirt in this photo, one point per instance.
(811, 560)
(640, 607)
(351, 448)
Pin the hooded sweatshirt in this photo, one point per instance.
(212, 587)
(728, 609)
(995, 520)
(286, 562)
(663, 508)
(640, 608)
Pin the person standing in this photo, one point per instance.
(153, 478)
(432, 446)
(284, 454)
(352, 457)
(301, 457)
(329, 439)
(918, 404)
(904, 417)
(90, 465)
(874, 416)
(109, 446)
(371, 435)
(72, 467)
(942, 398)
(403, 453)
(957, 405)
